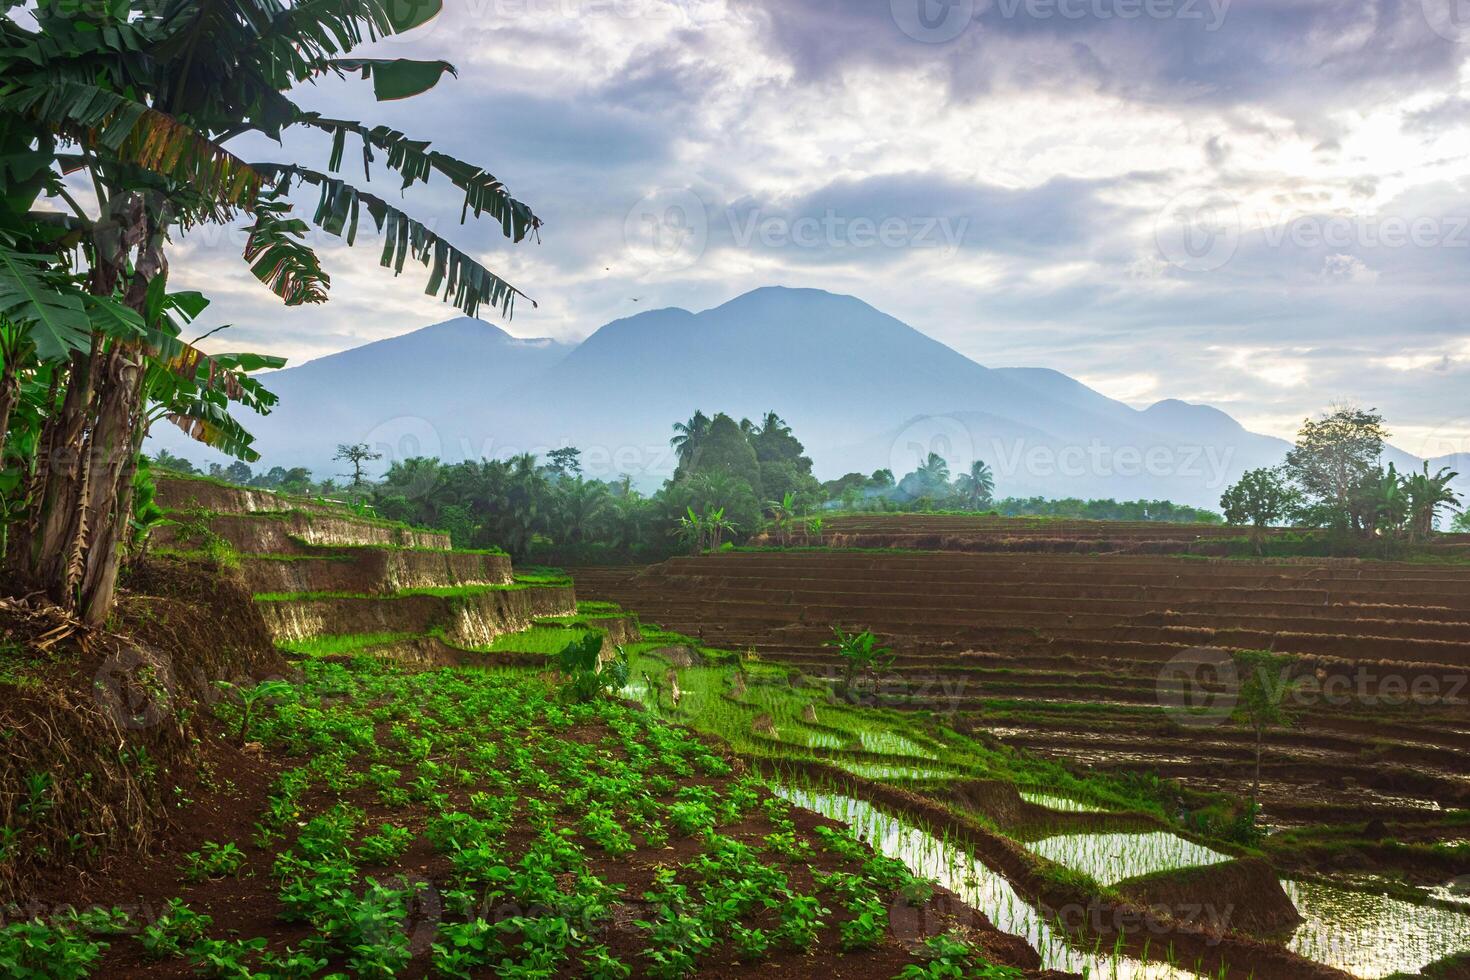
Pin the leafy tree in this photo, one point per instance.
(1260, 499)
(166, 460)
(882, 479)
(1461, 523)
(565, 462)
(140, 98)
(355, 454)
(1380, 503)
(725, 450)
(238, 472)
(1334, 461)
(977, 486)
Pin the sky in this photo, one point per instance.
(1262, 205)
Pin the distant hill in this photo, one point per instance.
(862, 389)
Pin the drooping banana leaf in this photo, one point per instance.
(395, 78)
(464, 282)
(414, 161)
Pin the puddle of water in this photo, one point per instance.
(1372, 936)
(1062, 803)
(1109, 858)
(978, 886)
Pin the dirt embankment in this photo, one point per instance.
(1244, 895)
(102, 728)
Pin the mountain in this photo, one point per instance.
(861, 389)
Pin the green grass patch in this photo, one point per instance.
(331, 646)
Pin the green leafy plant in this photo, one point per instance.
(861, 653)
(175, 931)
(213, 860)
(37, 950)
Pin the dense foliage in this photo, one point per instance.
(734, 479)
(1334, 478)
(135, 101)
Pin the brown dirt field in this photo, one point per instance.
(1104, 632)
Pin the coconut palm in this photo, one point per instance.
(139, 98)
(688, 436)
(582, 506)
(978, 485)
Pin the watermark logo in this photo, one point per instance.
(941, 435)
(933, 21)
(403, 438)
(1198, 230)
(134, 689)
(1199, 687)
(1450, 19)
(668, 230)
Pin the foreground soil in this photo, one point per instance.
(464, 823)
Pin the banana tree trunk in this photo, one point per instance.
(56, 491)
(82, 488)
(9, 395)
(110, 497)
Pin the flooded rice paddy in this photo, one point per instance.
(1367, 935)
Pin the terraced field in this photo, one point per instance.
(980, 533)
(1091, 659)
(329, 580)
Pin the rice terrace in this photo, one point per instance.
(689, 624)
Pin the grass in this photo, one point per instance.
(332, 646)
(549, 640)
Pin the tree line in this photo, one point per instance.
(1334, 479)
(733, 479)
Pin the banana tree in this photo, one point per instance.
(690, 528)
(783, 512)
(138, 99)
(716, 526)
(1427, 496)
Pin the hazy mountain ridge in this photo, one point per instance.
(862, 390)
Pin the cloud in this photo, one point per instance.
(1021, 167)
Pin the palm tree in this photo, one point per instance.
(582, 506)
(978, 485)
(688, 436)
(1426, 496)
(774, 425)
(140, 97)
(935, 470)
